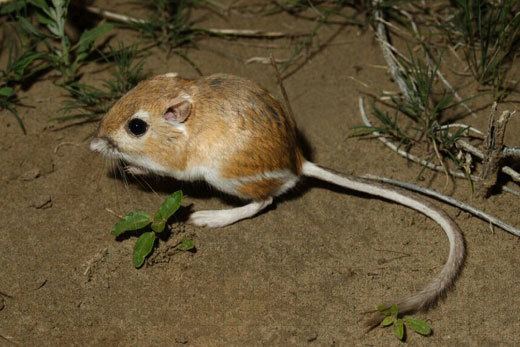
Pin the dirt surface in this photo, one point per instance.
(303, 272)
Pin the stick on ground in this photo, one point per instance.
(449, 200)
(247, 33)
(493, 150)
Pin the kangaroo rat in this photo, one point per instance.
(233, 134)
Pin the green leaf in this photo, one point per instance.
(23, 62)
(170, 205)
(394, 310)
(399, 329)
(90, 36)
(40, 4)
(389, 320)
(29, 28)
(6, 91)
(186, 245)
(132, 221)
(14, 6)
(418, 325)
(44, 20)
(143, 247)
(361, 130)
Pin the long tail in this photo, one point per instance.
(438, 286)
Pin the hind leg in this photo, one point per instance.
(259, 190)
(221, 218)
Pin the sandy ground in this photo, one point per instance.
(303, 272)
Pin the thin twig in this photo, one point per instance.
(505, 169)
(430, 165)
(460, 125)
(511, 190)
(265, 60)
(250, 33)
(478, 153)
(449, 200)
(382, 36)
(358, 81)
(493, 151)
(511, 152)
(113, 213)
(116, 17)
(122, 18)
(470, 148)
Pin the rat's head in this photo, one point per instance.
(147, 127)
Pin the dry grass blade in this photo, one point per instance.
(438, 71)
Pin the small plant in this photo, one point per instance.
(169, 25)
(400, 325)
(18, 70)
(490, 32)
(151, 228)
(418, 116)
(61, 54)
(90, 103)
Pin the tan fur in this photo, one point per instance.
(150, 95)
(263, 139)
(261, 189)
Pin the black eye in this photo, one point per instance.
(137, 126)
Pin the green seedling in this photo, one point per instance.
(60, 53)
(151, 228)
(400, 325)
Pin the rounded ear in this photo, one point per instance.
(179, 110)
